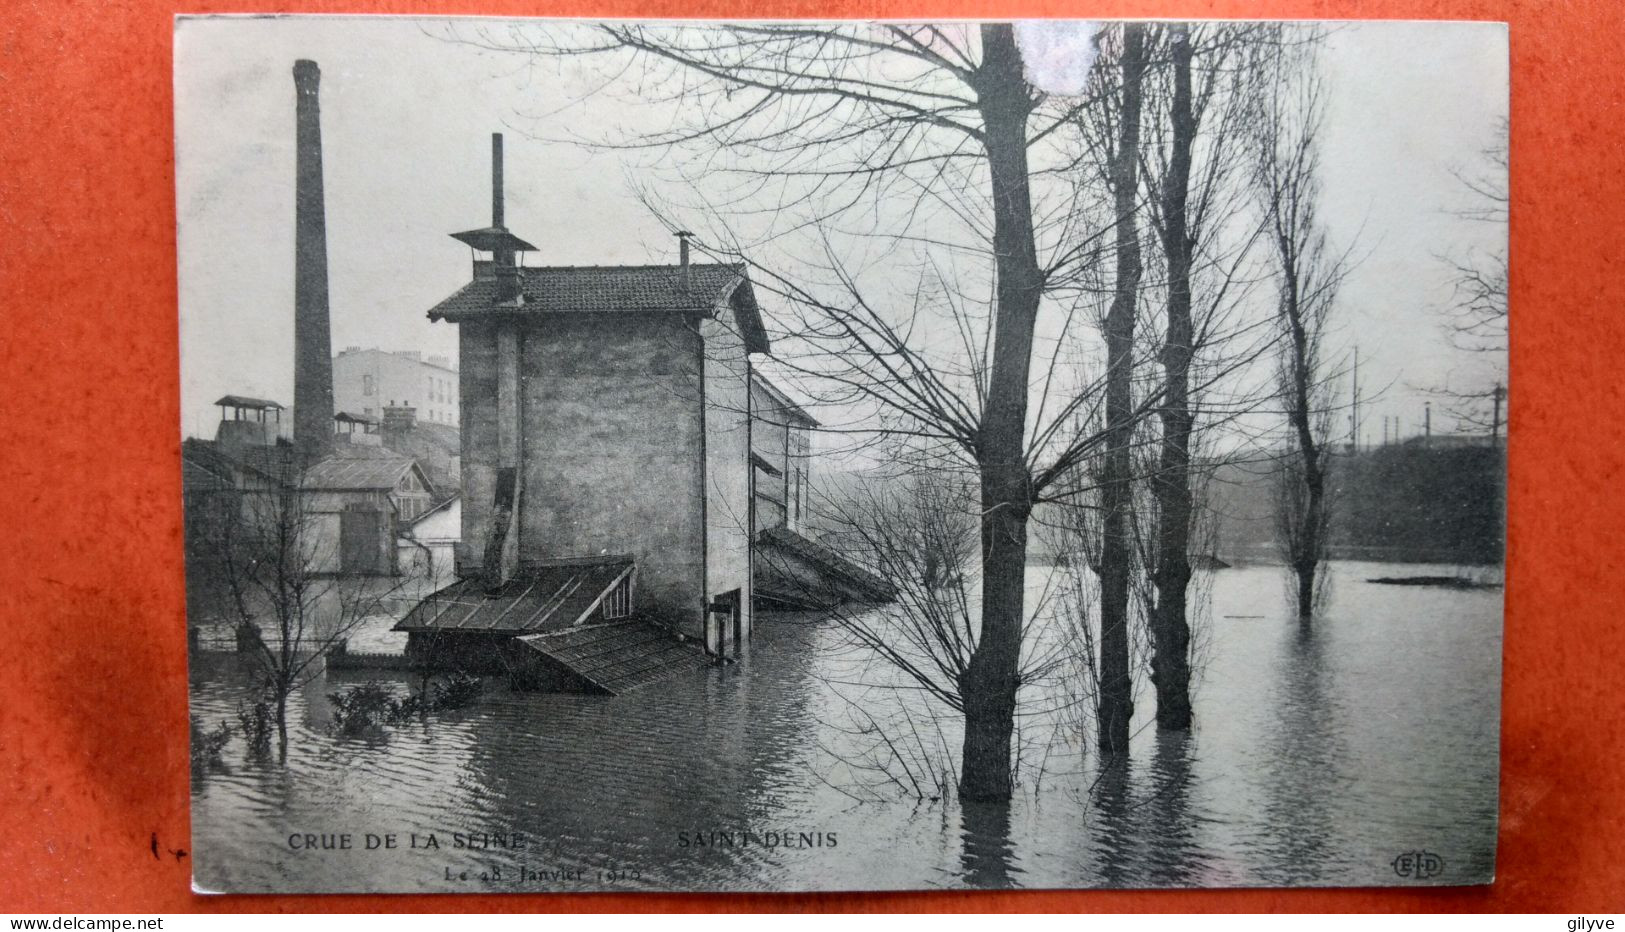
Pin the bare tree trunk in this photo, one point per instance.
(1310, 545)
(282, 724)
(990, 680)
(1117, 546)
(1309, 275)
(1170, 627)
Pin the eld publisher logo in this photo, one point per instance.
(1418, 865)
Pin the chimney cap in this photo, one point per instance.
(493, 239)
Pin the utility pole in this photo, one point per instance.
(1427, 419)
(1354, 409)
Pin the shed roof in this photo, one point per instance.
(792, 411)
(355, 468)
(761, 462)
(244, 401)
(545, 597)
(618, 656)
(611, 289)
(437, 508)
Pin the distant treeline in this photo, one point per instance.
(1405, 503)
(1410, 502)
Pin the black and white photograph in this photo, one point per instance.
(838, 456)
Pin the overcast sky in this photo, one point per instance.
(406, 123)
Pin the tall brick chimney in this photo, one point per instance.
(312, 332)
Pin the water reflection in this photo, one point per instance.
(988, 856)
(1111, 821)
(1315, 758)
(1168, 814)
(1301, 756)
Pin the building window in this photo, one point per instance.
(366, 385)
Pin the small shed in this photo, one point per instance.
(355, 500)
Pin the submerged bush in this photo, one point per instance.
(361, 707)
(258, 723)
(403, 710)
(206, 745)
(458, 690)
(371, 704)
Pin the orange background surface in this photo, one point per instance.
(93, 721)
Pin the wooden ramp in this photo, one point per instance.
(617, 656)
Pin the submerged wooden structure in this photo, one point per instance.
(562, 625)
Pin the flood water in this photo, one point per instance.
(1316, 759)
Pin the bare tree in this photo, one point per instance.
(1476, 316)
(1202, 96)
(1478, 313)
(1116, 701)
(1307, 274)
(935, 140)
(917, 529)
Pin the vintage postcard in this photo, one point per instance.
(841, 456)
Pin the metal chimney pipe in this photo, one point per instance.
(496, 180)
(312, 332)
(509, 288)
(682, 257)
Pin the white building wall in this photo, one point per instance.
(369, 380)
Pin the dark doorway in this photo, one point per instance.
(360, 534)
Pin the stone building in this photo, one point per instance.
(606, 415)
(620, 463)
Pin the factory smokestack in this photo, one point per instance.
(497, 215)
(312, 332)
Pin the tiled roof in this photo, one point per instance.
(358, 467)
(273, 462)
(611, 289)
(541, 598)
